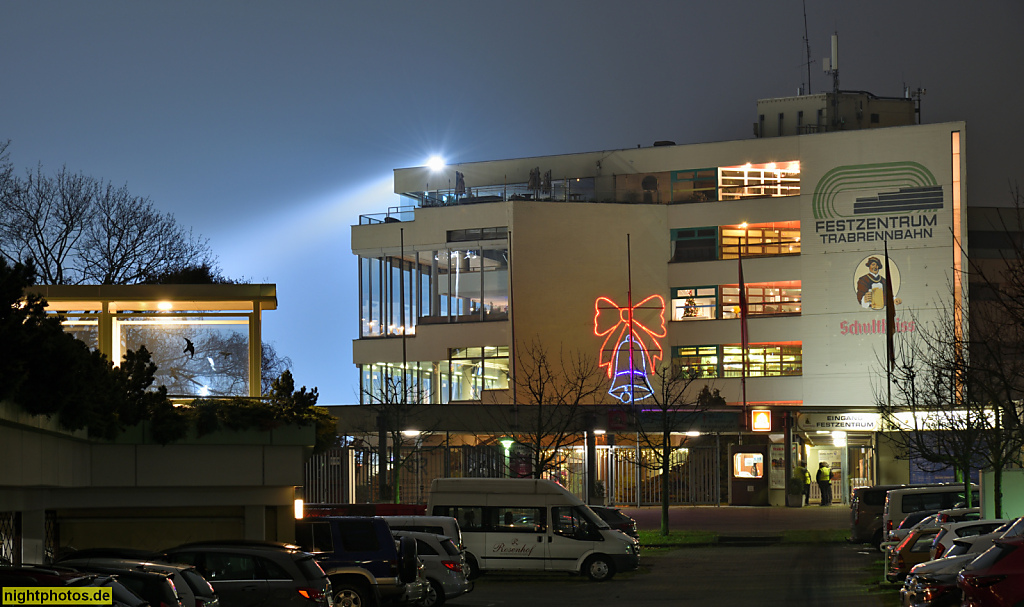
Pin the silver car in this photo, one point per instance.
(444, 567)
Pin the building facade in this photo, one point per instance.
(636, 257)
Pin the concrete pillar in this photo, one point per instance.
(33, 536)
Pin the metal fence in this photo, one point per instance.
(626, 475)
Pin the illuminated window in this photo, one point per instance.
(473, 370)
(697, 361)
(695, 244)
(696, 303)
(763, 360)
(748, 465)
(763, 299)
(770, 179)
(761, 239)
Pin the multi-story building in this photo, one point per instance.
(634, 256)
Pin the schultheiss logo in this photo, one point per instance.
(876, 202)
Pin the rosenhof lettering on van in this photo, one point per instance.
(512, 548)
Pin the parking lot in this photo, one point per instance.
(753, 569)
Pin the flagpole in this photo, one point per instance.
(743, 338)
(632, 383)
(890, 327)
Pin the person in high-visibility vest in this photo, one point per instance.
(824, 479)
(801, 474)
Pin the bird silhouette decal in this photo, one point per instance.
(190, 349)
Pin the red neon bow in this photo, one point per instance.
(612, 323)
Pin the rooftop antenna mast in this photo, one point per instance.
(831, 66)
(807, 43)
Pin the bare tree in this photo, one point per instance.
(129, 240)
(397, 403)
(957, 386)
(673, 408)
(927, 401)
(44, 219)
(552, 395)
(81, 230)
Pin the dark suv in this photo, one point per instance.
(365, 564)
(257, 574)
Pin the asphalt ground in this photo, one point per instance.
(744, 520)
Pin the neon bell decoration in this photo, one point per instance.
(631, 348)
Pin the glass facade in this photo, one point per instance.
(463, 377)
(201, 338)
(453, 284)
(195, 356)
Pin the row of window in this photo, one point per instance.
(762, 360)
(731, 242)
(470, 371)
(717, 302)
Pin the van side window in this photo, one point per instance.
(470, 518)
(570, 522)
(517, 519)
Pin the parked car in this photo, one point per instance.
(252, 573)
(901, 502)
(498, 513)
(996, 577)
(364, 562)
(958, 529)
(913, 549)
(866, 507)
(193, 589)
(903, 529)
(934, 583)
(438, 525)
(157, 587)
(616, 519)
(444, 567)
(41, 575)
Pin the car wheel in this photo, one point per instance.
(435, 595)
(472, 569)
(598, 568)
(351, 595)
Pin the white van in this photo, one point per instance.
(901, 502)
(525, 524)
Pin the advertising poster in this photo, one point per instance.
(833, 460)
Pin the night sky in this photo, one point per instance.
(268, 127)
